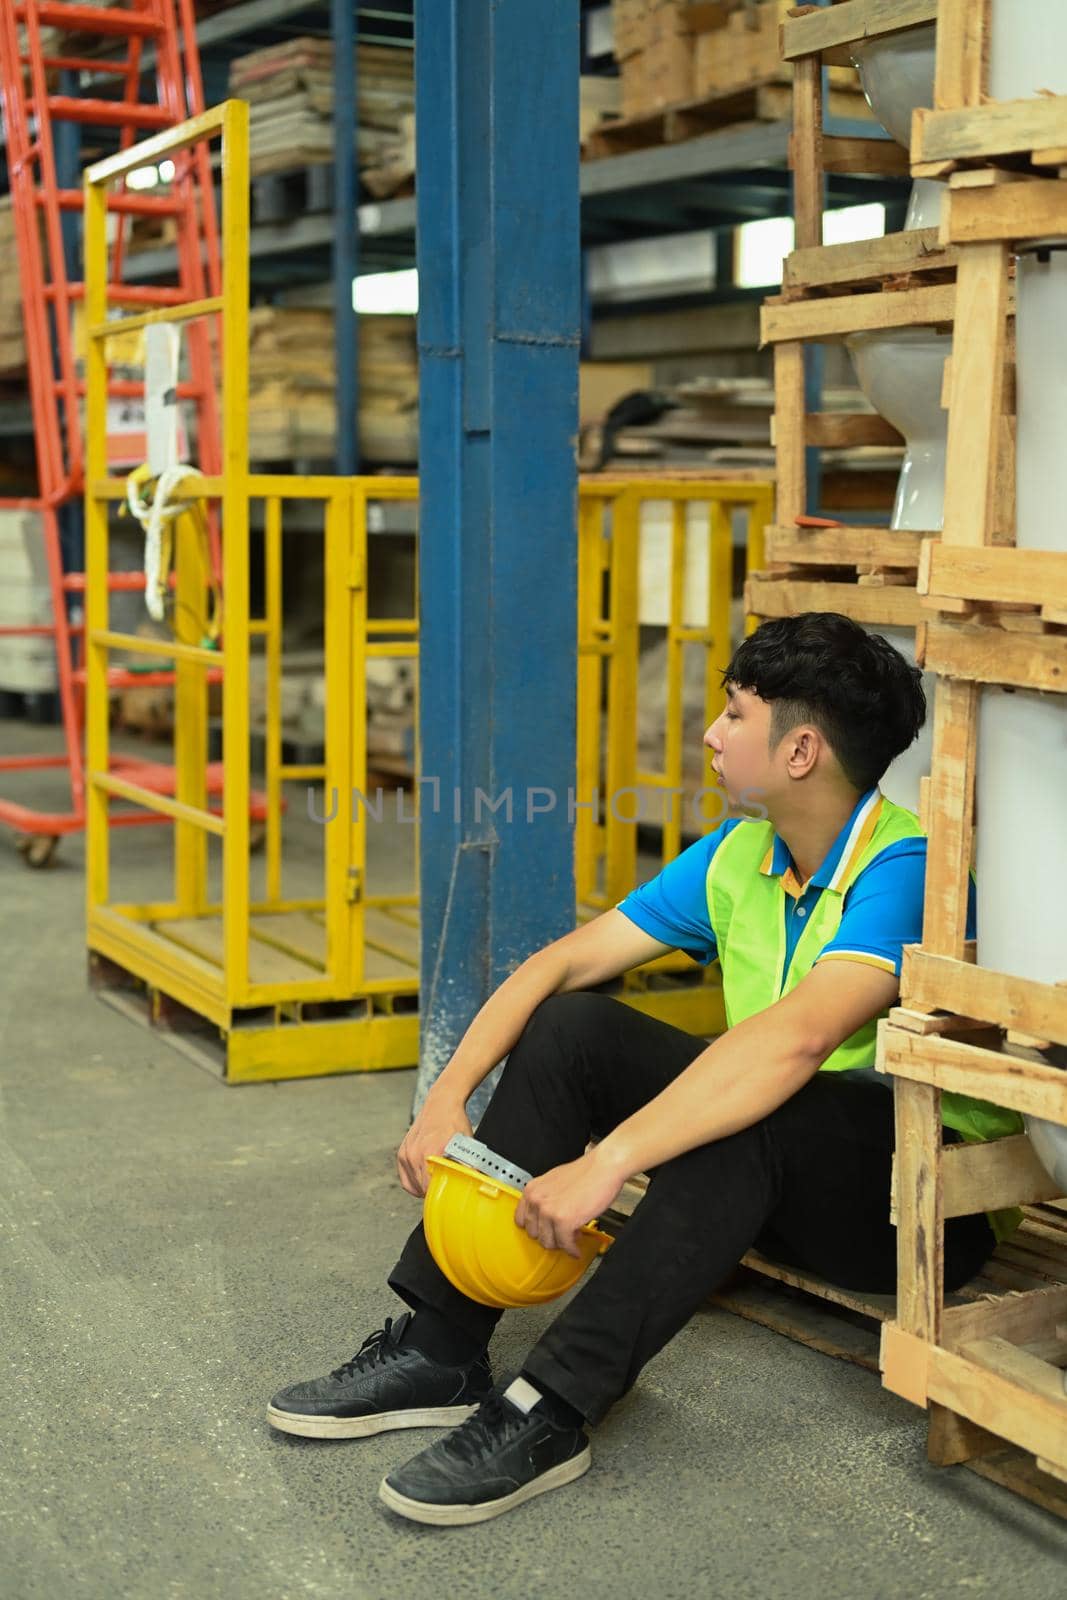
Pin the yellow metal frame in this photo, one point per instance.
(609, 569)
(329, 983)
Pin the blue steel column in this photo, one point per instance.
(346, 231)
(499, 323)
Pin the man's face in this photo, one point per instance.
(739, 741)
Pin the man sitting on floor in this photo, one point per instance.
(777, 1135)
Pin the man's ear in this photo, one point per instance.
(805, 742)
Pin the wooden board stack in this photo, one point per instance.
(290, 89)
(12, 341)
(291, 410)
(991, 1373)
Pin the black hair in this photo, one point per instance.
(859, 691)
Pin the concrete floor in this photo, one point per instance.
(172, 1250)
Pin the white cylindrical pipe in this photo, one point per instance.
(1022, 749)
(1027, 49)
(900, 371)
(901, 781)
(1022, 841)
(1041, 400)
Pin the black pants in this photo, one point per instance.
(807, 1186)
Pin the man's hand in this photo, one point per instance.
(555, 1206)
(435, 1124)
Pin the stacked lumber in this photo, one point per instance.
(12, 342)
(292, 374)
(290, 90)
(725, 423)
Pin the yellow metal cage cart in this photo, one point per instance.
(288, 985)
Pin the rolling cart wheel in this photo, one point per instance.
(39, 849)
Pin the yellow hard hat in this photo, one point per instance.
(469, 1219)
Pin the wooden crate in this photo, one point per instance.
(964, 126)
(991, 1372)
(906, 279)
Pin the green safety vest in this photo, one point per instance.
(747, 914)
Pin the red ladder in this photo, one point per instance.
(40, 39)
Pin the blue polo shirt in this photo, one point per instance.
(882, 910)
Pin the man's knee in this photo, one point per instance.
(557, 1028)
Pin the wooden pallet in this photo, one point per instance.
(765, 102)
(848, 1324)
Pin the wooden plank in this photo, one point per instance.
(790, 463)
(1006, 1390)
(977, 395)
(805, 152)
(852, 21)
(204, 936)
(392, 936)
(933, 981)
(1004, 211)
(962, 70)
(1022, 1476)
(993, 1176)
(294, 932)
(832, 547)
(1004, 1080)
(920, 1216)
(843, 430)
(989, 655)
(767, 596)
(916, 250)
(1001, 128)
(808, 1323)
(1022, 1318)
(951, 1439)
(868, 1304)
(838, 316)
(999, 574)
(881, 158)
(951, 834)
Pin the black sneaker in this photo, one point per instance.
(387, 1384)
(508, 1452)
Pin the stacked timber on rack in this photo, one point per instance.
(991, 1373)
(901, 280)
(290, 89)
(12, 342)
(687, 67)
(292, 413)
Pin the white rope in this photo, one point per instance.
(153, 515)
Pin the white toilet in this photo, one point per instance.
(897, 75)
(900, 370)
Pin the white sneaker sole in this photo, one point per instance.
(459, 1516)
(365, 1427)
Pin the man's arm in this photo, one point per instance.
(594, 953)
(739, 1079)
